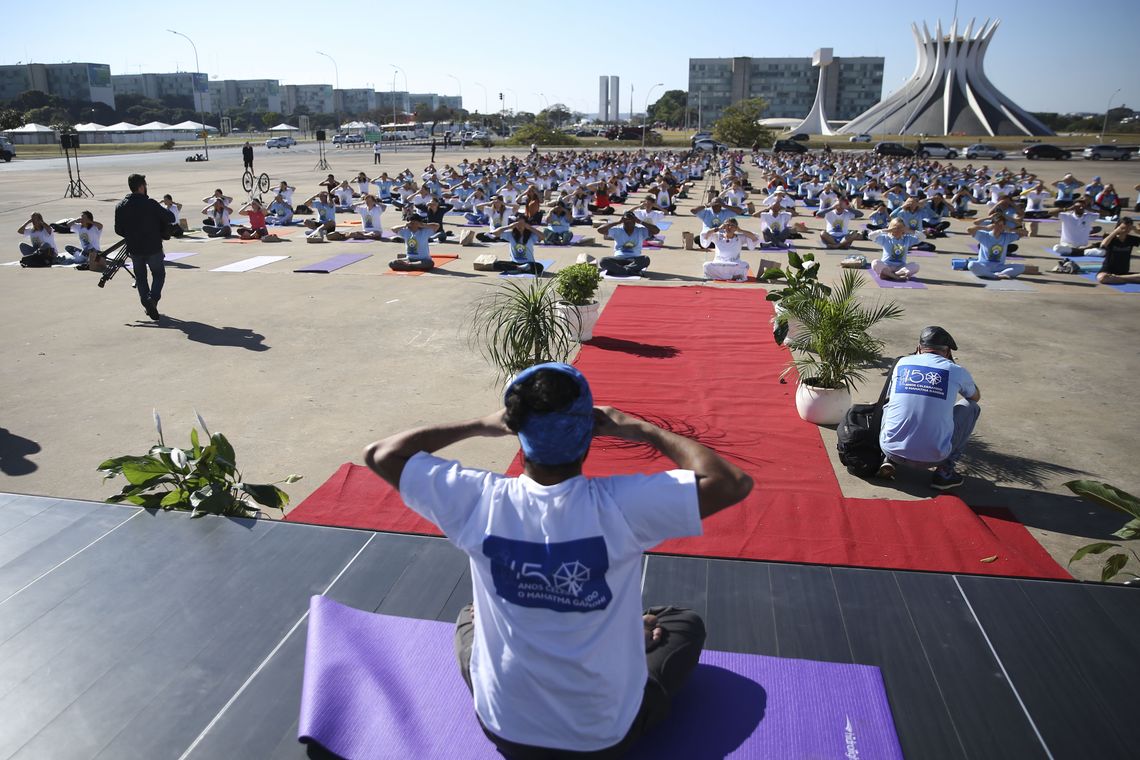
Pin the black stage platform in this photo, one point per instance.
(126, 634)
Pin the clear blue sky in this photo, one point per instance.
(559, 50)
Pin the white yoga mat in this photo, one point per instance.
(251, 263)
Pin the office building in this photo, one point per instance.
(309, 98)
(787, 85)
(609, 98)
(355, 101)
(182, 84)
(82, 82)
(247, 94)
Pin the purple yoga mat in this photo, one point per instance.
(335, 263)
(913, 284)
(386, 687)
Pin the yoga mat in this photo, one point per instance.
(377, 686)
(335, 263)
(651, 348)
(1009, 285)
(573, 241)
(247, 264)
(911, 284)
(1128, 287)
(438, 258)
(175, 256)
(547, 266)
(621, 278)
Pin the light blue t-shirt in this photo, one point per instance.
(628, 244)
(991, 247)
(912, 219)
(521, 252)
(713, 219)
(1065, 190)
(918, 419)
(416, 243)
(325, 212)
(558, 222)
(895, 249)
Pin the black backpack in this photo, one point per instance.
(858, 434)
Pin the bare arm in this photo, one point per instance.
(720, 484)
(387, 456)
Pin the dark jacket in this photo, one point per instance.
(143, 223)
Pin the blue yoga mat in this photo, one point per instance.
(547, 266)
(335, 263)
(1130, 287)
(386, 687)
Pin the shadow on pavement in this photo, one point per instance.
(14, 453)
(200, 332)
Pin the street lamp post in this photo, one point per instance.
(1104, 127)
(459, 86)
(395, 69)
(484, 89)
(336, 73)
(646, 119)
(201, 99)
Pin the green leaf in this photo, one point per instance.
(146, 500)
(1106, 495)
(214, 498)
(225, 452)
(267, 495)
(772, 273)
(176, 499)
(1112, 566)
(114, 466)
(794, 260)
(194, 442)
(1097, 548)
(1130, 530)
(142, 471)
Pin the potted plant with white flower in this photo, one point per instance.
(801, 278)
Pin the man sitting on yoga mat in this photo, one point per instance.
(555, 649)
(925, 424)
(628, 235)
(416, 232)
(521, 237)
(1117, 247)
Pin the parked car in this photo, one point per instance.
(7, 149)
(280, 142)
(788, 146)
(709, 144)
(698, 136)
(800, 137)
(356, 138)
(934, 150)
(863, 138)
(1115, 152)
(981, 150)
(892, 149)
(584, 132)
(1044, 150)
(338, 139)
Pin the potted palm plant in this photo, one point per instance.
(518, 324)
(835, 346)
(801, 278)
(576, 286)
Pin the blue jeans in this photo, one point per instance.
(156, 263)
(966, 415)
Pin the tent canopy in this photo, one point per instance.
(154, 126)
(195, 126)
(88, 127)
(283, 128)
(122, 126)
(32, 127)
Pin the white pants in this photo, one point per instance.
(879, 265)
(725, 270)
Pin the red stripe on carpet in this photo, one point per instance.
(701, 362)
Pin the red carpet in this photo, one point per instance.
(701, 362)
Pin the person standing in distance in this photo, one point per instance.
(247, 157)
(144, 224)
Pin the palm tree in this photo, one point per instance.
(517, 326)
(835, 345)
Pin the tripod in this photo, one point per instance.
(76, 187)
(116, 258)
(322, 162)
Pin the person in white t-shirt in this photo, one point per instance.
(371, 227)
(556, 649)
(728, 240)
(1076, 227)
(837, 232)
(88, 231)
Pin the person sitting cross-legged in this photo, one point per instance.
(557, 230)
(555, 670)
(324, 226)
(837, 233)
(371, 226)
(416, 232)
(925, 423)
(728, 239)
(256, 229)
(628, 235)
(1117, 247)
(896, 242)
(994, 244)
(521, 237)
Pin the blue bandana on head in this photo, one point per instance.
(562, 436)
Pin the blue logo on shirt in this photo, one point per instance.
(922, 381)
(569, 576)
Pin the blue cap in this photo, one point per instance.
(562, 436)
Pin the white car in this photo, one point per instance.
(280, 142)
(708, 143)
(981, 150)
(863, 138)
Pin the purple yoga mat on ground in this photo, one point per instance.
(1128, 287)
(335, 263)
(913, 284)
(386, 687)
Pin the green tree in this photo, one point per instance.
(541, 134)
(10, 118)
(739, 124)
(270, 118)
(670, 108)
(554, 116)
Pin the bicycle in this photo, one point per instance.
(248, 182)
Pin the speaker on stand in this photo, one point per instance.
(322, 162)
(76, 187)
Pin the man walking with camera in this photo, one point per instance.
(144, 223)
